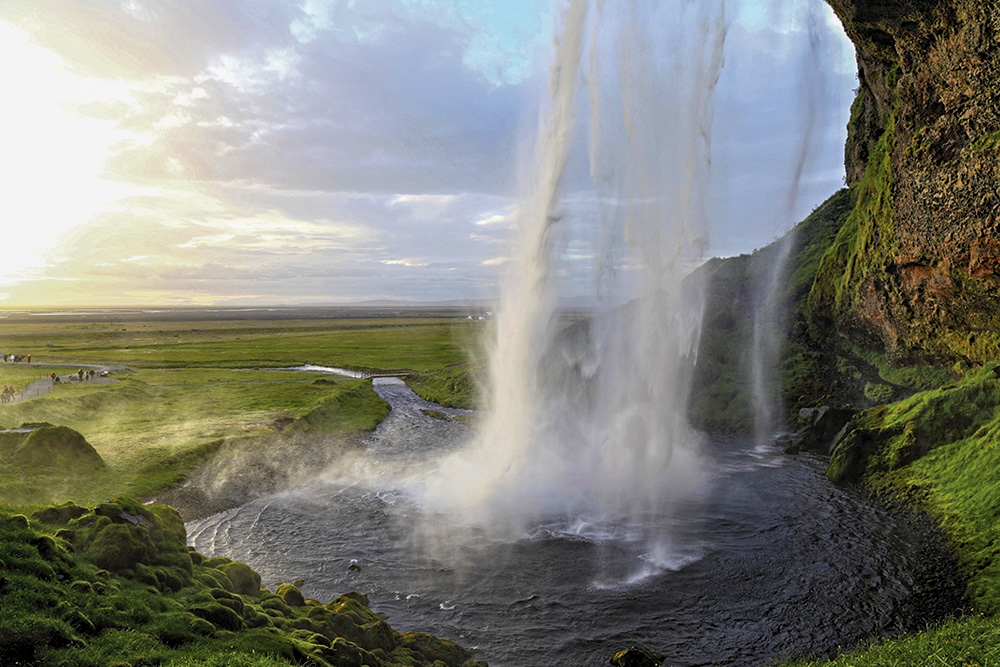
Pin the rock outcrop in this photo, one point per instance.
(916, 271)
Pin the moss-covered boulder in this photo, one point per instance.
(636, 657)
(434, 649)
(244, 580)
(60, 515)
(291, 595)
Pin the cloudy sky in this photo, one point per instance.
(251, 152)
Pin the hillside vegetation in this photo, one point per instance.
(115, 584)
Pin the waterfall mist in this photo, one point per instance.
(585, 419)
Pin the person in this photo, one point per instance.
(79, 374)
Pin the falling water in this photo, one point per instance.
(586, 421)
(769, 303)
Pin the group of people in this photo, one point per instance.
(81, 375)
(16, 357)
(8, 394)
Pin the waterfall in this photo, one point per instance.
(586, 420)
(769, 302)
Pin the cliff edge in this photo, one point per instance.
(915, 271)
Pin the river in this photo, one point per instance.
(773, 561)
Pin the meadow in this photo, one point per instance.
(180, 390)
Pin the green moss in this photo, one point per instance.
(986, 142)
(432, 648)
(861, 250)
(244, 580)
(878, 393)
(291, 595)
(939, 449)
(126, 615)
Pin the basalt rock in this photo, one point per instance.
(916, 271)
(820, 427)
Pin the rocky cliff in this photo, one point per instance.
(915, 271)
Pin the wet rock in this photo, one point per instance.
(820, 427)
(790, 443)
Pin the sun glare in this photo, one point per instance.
(53, 155)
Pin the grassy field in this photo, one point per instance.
(186, 388)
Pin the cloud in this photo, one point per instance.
(332, 149)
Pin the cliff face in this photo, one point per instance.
(916, 270)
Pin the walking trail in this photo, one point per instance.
(45, 385)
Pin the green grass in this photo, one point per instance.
(972, 641)
(453, 387)
(987, 142)
(192, 387)
(150, 435)
(364, 344)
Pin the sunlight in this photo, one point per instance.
(53, 154)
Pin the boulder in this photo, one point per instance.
(819, 428)
(637, 657)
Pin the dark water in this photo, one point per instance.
(773, 562)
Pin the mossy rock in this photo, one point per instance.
(120, 547)
(291, 595)
(57, 447)
(375, 636)
(350, 605)
(344, 653)
(60, 515)
(218, 615)
(278, 606)
(637, 657)
(850, 458)
(234, 602)
(213, 578)
(433, 648)
(245, 581)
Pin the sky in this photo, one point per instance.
(313, 152)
